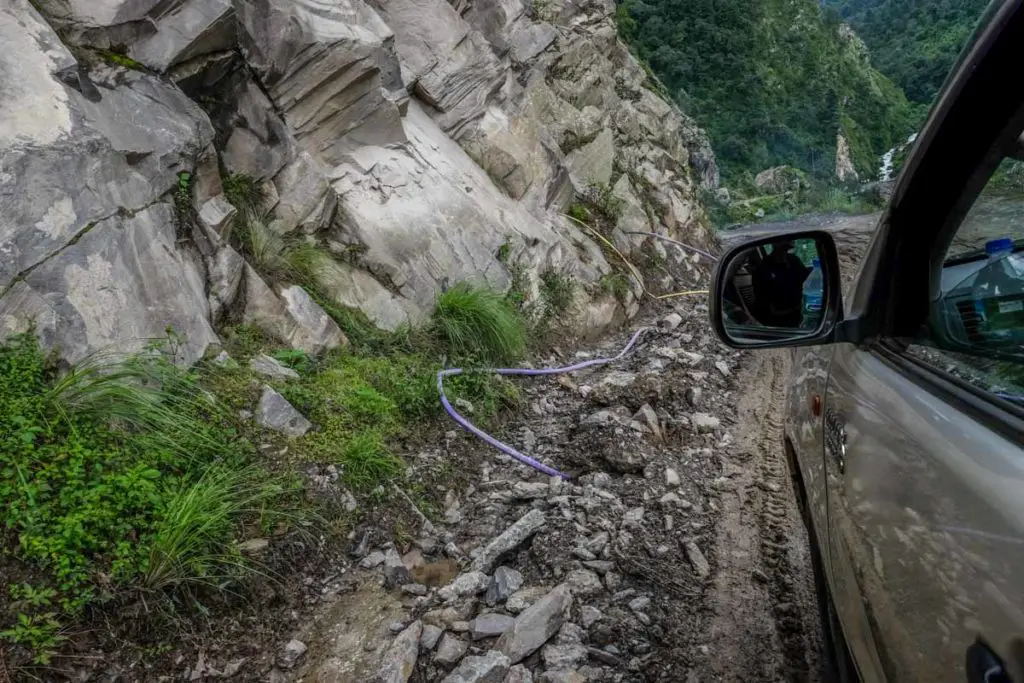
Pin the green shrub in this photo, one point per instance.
(557, 294)
(244, 193)
(579, 212)
(480, 323)
(616, 285)
(95, 468)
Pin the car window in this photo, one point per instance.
(976, 322)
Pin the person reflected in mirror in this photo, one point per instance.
(778, 281)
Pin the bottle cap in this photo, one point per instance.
(998, 246)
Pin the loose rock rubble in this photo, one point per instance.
(608, 576)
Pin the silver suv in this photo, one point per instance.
(906, 412)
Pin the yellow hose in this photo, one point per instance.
(633, 269)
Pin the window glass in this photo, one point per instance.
(976, 323)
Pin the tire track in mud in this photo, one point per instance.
(763, 608)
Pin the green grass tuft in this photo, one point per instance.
(474, 322)
(557, 294)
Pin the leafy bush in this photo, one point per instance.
(557, 294)
(97, 469)
(480, 323)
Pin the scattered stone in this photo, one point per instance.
(395, 572)
(671, 477)
(691, 358)
(490, 668)
(271, 367)
(669, 523)
(634, 516)
(530, 490)
(519, 674)
(693, 396)
(600, 566)
(570, 633)
(470, 583)
(584, 582)
(612, 386)
(397, 626)
(429, 636)
(723, 368)
(291, 653)
(491, 625)
(522, 599)
(648, 417)
(583, 554)
(639, 604)
(504, 583)
(671, 322)
(612, 581)
(417, 589)
(536, 624)
(702, 422)
(670, 498)
(463, 405)
(589, 616)
(643, 618)
(400, 660)
(511, 538)
(451, 649)
(697, 559)
(561, 677)
(224, 360)
(563, 656)
(605, 656)
(460, 626)
(253, 546)
(759, 576)
(598, 542)
(276, 413)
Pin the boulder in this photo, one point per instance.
(400, 660)
(536, 624)
(504, 583)
(88, 157)
(780, 179)
(184, 30)
(490, 668)
(325, 65)
(290, 315)
(490, 625)
(451, 649)
(271, 367)
(525, 527)
(276, 413)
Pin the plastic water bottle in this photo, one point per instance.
(997, 293)
(813, 290)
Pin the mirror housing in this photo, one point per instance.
(763, 290)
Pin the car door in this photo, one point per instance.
(923, 421)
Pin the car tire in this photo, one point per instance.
(837, 664)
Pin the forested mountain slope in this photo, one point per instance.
(913, 42)
(772, 80)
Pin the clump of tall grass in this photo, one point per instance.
(478, 322)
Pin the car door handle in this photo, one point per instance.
(984, 666)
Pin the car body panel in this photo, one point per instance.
(926, 525)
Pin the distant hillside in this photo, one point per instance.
(772, 81)
(913, 42)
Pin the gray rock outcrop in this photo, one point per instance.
(409, 142)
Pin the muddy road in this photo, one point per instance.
(675, 551)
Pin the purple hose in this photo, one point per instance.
(679, 244)
(505, 448)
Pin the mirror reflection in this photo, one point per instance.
(774, 291)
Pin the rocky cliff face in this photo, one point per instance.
(413, 141)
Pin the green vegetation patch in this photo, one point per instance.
(479, 323)
(117, 476)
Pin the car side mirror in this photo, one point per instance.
(782, 290)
